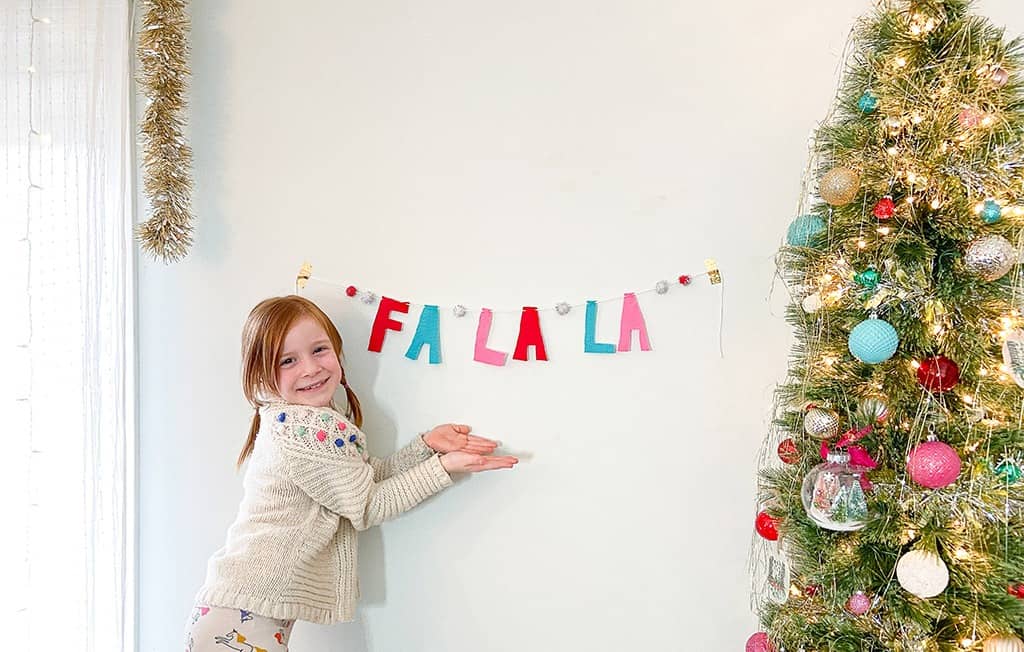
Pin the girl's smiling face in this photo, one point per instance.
(308, 371)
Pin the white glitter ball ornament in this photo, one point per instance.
(922, 573)
(459, 310)
(661, 287)
(1003, 643)
(563, 308)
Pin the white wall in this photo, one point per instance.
(507, 154)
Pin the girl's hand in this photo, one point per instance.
(455, 437)
(463, 462)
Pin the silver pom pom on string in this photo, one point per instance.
(459, 310)
(661, 287)
(369, 298)
(563, 308)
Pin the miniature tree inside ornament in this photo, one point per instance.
(833, 493)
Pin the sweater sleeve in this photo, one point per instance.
(334, 474)
(401, 460)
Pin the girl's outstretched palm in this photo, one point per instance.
(455, 437)
(463, 462)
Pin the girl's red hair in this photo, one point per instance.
(262, 340)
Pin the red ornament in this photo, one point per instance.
(938, 374)
(767, 526)
(885, 208)
(351, 290)
(788, 452)
(811, 590)
(970, 117)
(858, 604)
(759, 643)
(684, 280)
(1016, 590)
(933, 464)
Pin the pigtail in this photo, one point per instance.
(250, 442)
(355, 411)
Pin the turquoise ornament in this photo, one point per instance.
(804, 230)
(867, 103)
(991, 212)
(873, 341)
(1009, 470)
(868, 278)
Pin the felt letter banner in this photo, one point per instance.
(384, 322)
(481, 352)
(428, 332)
(589, 337)
(632, 320)
(529, 335)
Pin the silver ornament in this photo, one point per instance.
(821, 423)
(874, 409)
(563, 308)
(459, 310)
(975, 414)
(1003, 643)
(922, 573)
(369, 298)
(990, 257)
(661, 287)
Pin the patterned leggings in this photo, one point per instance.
(219, 629)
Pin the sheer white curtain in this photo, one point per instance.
(67, 451)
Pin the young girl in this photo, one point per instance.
(309, 487)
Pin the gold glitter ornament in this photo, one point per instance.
(821, 423)
(839, 186)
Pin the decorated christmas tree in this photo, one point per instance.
(891, 503)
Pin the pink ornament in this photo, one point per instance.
(1000, 76)
(858, 604)
(321, 435)
(759, 643)
(970, 118)
(933, 464)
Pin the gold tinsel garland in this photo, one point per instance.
(167, 157)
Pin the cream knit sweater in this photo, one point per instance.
(309, 486)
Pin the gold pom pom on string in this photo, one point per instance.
(839, 186)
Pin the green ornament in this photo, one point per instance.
(1009, 470)
(868, 278)
(301, 430)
